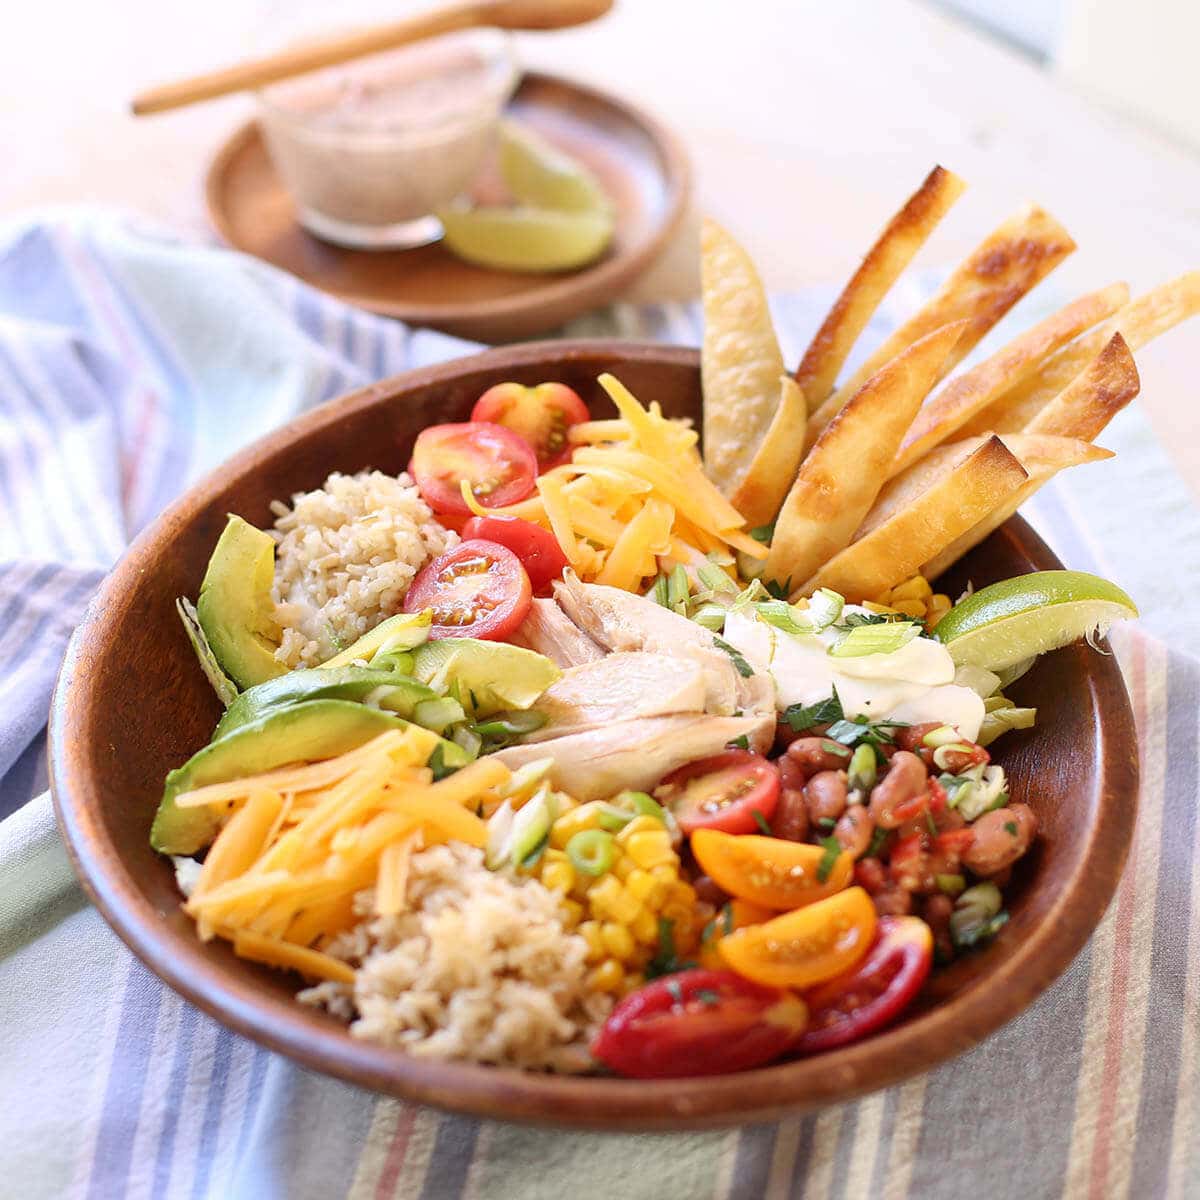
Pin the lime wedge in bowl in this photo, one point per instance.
(1019, 618)
(526, 239)
(541, 176)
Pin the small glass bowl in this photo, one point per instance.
(370, 149)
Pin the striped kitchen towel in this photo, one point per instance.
(131, 363)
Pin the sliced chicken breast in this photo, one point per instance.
(635, 754)
(619, 687)
(549, 631)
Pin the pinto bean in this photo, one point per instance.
(708, 891)
(1001, 837)
(854, 829)
(937, 911)
(905, 780)
(871, 875)
(826, 796)
(790, 821)
(815, 754)
(893, 902)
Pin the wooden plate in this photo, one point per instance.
(641, 166)
(131, 703)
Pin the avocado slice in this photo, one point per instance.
(225, 688)
(306, 732)
(490, 676)
(395, 693)
(235, 609)
(399, 633)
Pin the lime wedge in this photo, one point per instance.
(541, 176)
(526, 239)
(1016, 619)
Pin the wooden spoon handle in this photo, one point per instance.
(311, 57)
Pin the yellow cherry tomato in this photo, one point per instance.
(770, 871)
(805, 947)
(737, 914)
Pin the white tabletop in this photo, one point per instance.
(807, 122)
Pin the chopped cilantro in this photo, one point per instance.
(873, 733)
(740, 743)
(708, 997)
(878, 841)
(804, 716)
(835, 748)
(826, 822)
(854, 620)
(744, 669)
(780, 591)
(437, 763)
(665, 961)
(1010, 827)
(763, 533)
(832, 848)
(761, 822)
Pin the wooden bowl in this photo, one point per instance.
(132, 703)
(642, 167)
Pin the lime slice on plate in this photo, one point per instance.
(541, 176)
(1016, 619)
(526, 239)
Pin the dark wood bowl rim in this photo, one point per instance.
(602, 279)
(591, 1102)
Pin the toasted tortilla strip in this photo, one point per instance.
(884, 263)
(740, 362)
(894, 550)
(842, 474)
(974, 390)
(1043, 457)
(1094, 397)
(1139, 322)
(773, 468)
(994, 276)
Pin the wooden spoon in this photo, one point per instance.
(469, 14)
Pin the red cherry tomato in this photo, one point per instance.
(723, 792)
(541, 415)
(537, 548)
(478, 590)
(875, 992)
(699, 1022)
(499, 466)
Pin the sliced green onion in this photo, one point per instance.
(984, 896)
(763, 533)
(943, 735)
(824, 607)
(875, 639)
(969, 928)
(711, 616)
(678, 589)
(987, 792)
(468, 739)
(714, 578)
(614, 819)
(644, 805)
(511, 724)
(832, 848)
(863, 769)
(662, 592)
(763, 825)
(439, 714)
(950, 885)
(592, 851)
(781, 615)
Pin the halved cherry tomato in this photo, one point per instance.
(770, 871)
(537, 548)
(698, 1022)
(479, 589)
(874, 993)
(734, 914)
(498, 465)
(803, 948)
(722, 792)
(541, 415)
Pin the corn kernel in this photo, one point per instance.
(572, 913)
(665, 873)
(550, 855)
(644, 927)
(633, 982)
(681, 893)
(643, 887)
(623, 866)
(651, 849)
(638, 825)
(911, 608)
(618, 941)
(586, 816)
(875, 607)
(608, 899)
(916, 588)
(677, 912)
(590, 932)
(558, 876)
(607, 977)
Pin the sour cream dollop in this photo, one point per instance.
(914, 684)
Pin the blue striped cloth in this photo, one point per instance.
(131, 363)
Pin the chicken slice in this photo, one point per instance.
(549, 631)
(619, 687)
(623, 621)
(636, 753)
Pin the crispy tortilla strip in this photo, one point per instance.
(884, 263)
(842, 474)
(773, 468)
(1043, 457)
(994, 276)
(895, 550)
(1094, 397)
(973, 390)
(740, 362)
(1139, 322)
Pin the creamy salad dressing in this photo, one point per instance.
(914, 684)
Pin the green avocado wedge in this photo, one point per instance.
(396, 693)
(492, 676)
(306, 732)
(235, 608)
